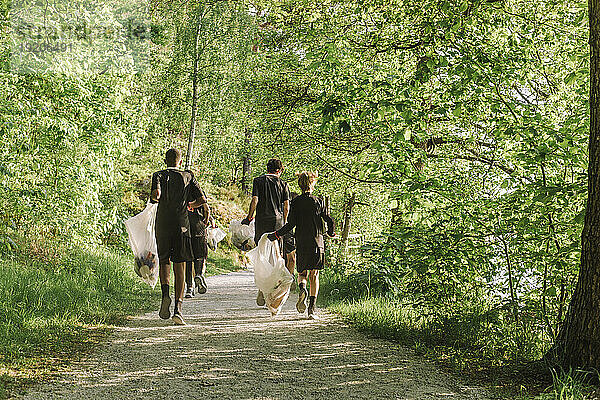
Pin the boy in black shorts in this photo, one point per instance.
(307, 214)
(175, 191)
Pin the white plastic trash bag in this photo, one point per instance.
(143, 243)
(270, 274)
(242, 236)
(214, 236)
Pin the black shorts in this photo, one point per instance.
(289, 243)
(199, 247)
(266, 225)
(199, 243)
(173, 246)
(310, 259)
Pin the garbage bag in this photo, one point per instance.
(270, 274)
(242, 236)
(214, 236)
(142, 241)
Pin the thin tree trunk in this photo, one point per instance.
(347, 221)
(544, 295)
(578, 342)
(190, 148)
(511, 283)
(246, 162)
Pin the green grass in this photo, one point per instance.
(571, 385)
(223, 260)
(54, 308)
(464, 342)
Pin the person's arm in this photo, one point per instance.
(286, 202)
(291, 224)
(286, 210)
(251, 211)
(155, 189)
(197, 194)
(206, 214)
(200, 201)
(328, 220)
(155, 195)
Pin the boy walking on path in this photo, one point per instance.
(270, 201)
(199, 218)
(175, 191)
(307, 215)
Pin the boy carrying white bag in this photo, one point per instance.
(270, 274)
(142, 241)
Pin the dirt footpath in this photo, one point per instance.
(233, 349)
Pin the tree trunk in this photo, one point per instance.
(246, 161)
(190, 148)
(578, 342)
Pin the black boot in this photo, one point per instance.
(165, 304)
(312, 314)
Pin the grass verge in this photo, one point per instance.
(55, 309)
(52, 309)
(458, 351)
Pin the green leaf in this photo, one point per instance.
(457, 110)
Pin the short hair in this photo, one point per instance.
(172, 157)
(274, 165)
(307, 180)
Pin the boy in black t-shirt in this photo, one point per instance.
(270, 200)
(175, 191)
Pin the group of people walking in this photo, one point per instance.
(296, 221)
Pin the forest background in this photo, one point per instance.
(450, 137)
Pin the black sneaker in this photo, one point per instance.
(165, 305)
(312, 312)
(200, 284)
(301, 304)
(178, 318)
(260, 299)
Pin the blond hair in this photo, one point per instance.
(307, 180)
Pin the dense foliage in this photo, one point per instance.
(463, 125)
(459, 127)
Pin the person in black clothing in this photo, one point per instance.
(270, 201)
(199, 218)
(307, 214)
(175, 191)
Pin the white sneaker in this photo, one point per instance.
(178, 318)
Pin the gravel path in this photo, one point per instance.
(233, 349)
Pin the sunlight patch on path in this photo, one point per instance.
(233, 349)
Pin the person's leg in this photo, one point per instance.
(189, 274)
(165, 277)
(313, 278)
(200, 267)
(291, 262)
(179, 270)
(301, 304)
